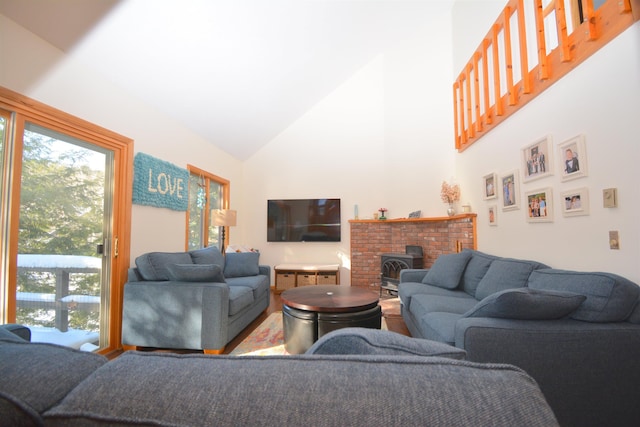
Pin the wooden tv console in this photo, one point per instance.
(295, 275)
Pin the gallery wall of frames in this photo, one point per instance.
(542, 158)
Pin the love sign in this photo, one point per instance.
(159, 183)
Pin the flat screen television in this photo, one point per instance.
(303, 220)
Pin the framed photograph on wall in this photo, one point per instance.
(575, 202)
(537, 159)
(492, 211)
(510, 191)
(540, 205)
(489, 183)
(573, 155)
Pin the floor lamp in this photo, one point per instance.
(223, 218)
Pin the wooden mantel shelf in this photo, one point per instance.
(430, 219)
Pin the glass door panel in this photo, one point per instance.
(65, 198)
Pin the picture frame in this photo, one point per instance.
(537, 160)
(575, 202)
(539, 205)
(510, 190)
(489, 186)
(573, 155)
(415, 214)
(492, 212)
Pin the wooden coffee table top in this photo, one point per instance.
(330, 298)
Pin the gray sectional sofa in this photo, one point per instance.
(576, 333)
(196, 300)
(395, 381)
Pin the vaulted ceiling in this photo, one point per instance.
(236, 72)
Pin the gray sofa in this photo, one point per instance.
(197, 300)
(397, 381)
(576, 333)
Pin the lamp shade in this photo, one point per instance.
(223, 217)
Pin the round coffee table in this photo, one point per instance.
(309, 312)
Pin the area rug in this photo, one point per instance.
(267, 339)
(390, 306)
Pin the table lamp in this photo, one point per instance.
(223, 218)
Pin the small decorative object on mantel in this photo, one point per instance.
(382, 211)
(450, 193)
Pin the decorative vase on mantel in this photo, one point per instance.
(451, 210)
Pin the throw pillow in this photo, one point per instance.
(375, 341)
(196, 273)
(447, 270)
(209, 255)
(239, 264)
(504, 274)
(153, 265)
(610, 298)
(527, 304)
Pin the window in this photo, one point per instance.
(206, 192)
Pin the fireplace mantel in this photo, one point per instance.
(430, 219)
(370, 238)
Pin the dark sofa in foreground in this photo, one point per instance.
(399, 381)
(576, 333)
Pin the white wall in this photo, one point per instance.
(381, 139)
(34, 68)
(600, 99)
(384, 138)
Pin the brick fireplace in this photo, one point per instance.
(370, 239)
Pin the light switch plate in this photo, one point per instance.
(614, 240)
(610, 198)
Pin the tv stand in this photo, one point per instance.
(295, 275)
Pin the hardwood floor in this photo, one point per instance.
(394, 323)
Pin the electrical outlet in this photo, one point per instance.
(614, 240)
(610, 198)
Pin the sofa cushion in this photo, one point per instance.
(407, 290)
(610, 298)
(634, 317)
(259, 284)
(475, 270)
(238, 264)
(423, 304)
(196, 273)
(447, 270)
(527, 304)
(373, 341)
(154, 265)
(209, 255)
(36, 376)
(504, 274)
(317, 390)
(439, 326)
(239, 298)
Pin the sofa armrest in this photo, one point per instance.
(266, 271)
(413, 274)
(173, 314)
(587, 371)
(20, 331)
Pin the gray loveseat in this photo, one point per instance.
(197, 300)
(576, 333)
(397, 381)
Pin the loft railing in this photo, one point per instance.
(532, 44)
